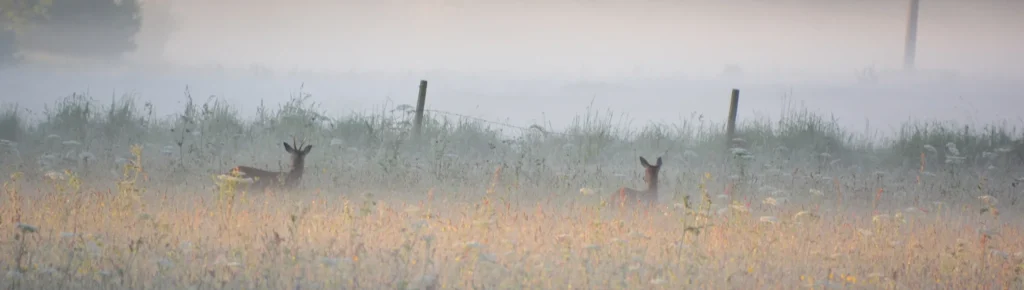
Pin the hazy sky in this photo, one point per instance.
(527, 61)
(597, 37)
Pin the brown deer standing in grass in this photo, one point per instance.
(628, 196)
(260, 179)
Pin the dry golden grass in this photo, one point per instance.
(304, 240)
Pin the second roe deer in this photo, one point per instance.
(628, 196)
(260, 179)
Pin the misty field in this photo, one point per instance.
(104, 195)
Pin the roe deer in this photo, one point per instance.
(629, 196)
(260, 179)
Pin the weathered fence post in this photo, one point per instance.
(421, 101)
(730, 129)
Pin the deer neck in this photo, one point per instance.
(653, 186)
(298, 168)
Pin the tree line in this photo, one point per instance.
(103, 29)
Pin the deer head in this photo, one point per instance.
(651, 174)
(298, 160)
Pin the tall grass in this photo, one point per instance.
(110, 196)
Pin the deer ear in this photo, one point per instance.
(644, 162)
(288, 148)
(306, 150)
(658, 162)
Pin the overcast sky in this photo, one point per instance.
(598, 37)
(514, 55)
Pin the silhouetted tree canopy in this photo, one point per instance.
(80, 28)
(14, 15)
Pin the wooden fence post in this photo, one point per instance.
(421, 101)
(730, 129)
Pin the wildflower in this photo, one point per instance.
(988, 200)
(955, 159)
(483, 222)
(53, 175)
(816, 192)
(931, 149)
(586, 191)
(722, 211)
(657, 281)
(951, 147)
(769, 219)
(805, 215)
(881, 218)
(864, 232)
(337, 142)
(739, 152)
(223, 260)
(913, 210)
(472, 245)
(167, 151)
(739, 208)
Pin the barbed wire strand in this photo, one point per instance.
(478, 119)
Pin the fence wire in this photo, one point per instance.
(539, 128)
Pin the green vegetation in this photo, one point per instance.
(108, 195)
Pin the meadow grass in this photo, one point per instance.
(109, 196)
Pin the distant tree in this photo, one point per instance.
(8, 46)
(84, 28)
(14, 16)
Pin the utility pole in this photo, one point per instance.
(910, 44)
